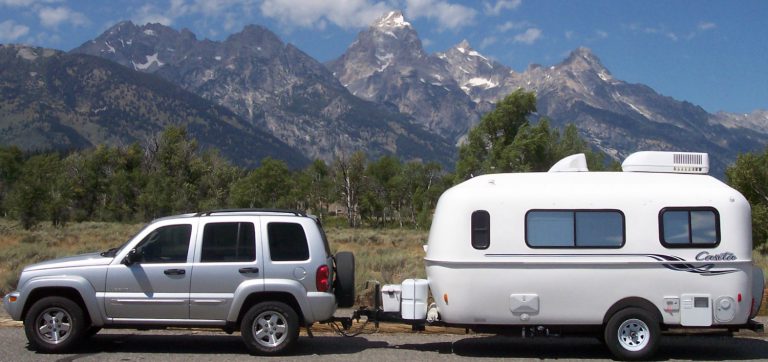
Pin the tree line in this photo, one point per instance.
(172, 174)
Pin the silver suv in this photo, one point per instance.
(263, 272)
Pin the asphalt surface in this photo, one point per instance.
(198, 345)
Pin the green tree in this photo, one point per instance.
(41, 191)
(488, 144)
(504, 141)
(381, 199)
(268, 186)
(749, 175)
(11, 162)
(348, 174)
(173, 169)
(313, 189)
(216, 181)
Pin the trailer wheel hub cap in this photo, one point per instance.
(634, 335)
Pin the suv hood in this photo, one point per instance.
(91, 259)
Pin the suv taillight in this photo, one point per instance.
(321, 278)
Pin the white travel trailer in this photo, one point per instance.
(660, 245)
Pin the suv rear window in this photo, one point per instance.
(287, 242)
(228, 242)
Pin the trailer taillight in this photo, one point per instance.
(321, 278)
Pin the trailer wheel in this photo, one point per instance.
(344, 285)
(54, 325)
(270, 328)
(632, 334)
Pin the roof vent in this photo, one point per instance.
(572, 163)
(669, 162)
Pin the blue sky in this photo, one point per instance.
(710, 53)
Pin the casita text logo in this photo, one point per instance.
(706, 256)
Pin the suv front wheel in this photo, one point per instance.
(54, 324)
(270, 328)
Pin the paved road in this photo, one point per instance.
(129, 345)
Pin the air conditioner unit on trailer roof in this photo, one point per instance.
(668, 162)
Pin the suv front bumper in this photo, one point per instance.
(12, 305)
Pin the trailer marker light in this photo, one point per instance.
(445, 298)
(739, 298)
(12, 299)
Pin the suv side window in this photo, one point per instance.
(287, 242)
(228, 242)
(166, 244)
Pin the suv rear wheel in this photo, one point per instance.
(54, 324)
(270, 328)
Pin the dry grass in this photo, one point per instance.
(386, 255)
(19, 247)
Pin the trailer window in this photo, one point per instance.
(574, 229)
(689, 227)
(481, 229)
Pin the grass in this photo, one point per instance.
(386, 255)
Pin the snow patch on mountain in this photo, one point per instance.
(151, 59)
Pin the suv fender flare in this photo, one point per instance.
(79, 284)
(291, 287)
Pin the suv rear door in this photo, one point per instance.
(288, 250)
(227, 256)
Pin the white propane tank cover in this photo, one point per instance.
(667, 162)
(572, 163)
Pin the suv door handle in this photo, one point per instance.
(174, 271)
(248, 270)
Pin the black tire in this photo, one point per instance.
(632, 334)
(344, 285)
(270, 328)
(54, 325)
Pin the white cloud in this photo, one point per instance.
(570, 34)
(315, 14)
(512, 25)
(10, 31)
(601, 34)
(488, 41)
(705, 25)
(530, 36)
(448, 15)
(500, 6)
(53, 17)
(17, 3)
(151, 14)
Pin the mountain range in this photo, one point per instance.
(385, 95)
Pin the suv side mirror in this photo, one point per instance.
(131, 258)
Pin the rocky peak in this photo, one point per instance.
(392, 19)
(583, 58)
(463, 46)
(582, 61)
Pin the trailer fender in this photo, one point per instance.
(630, 302)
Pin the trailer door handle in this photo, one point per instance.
(174, 271)
(248, 270)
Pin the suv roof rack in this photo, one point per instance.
(280, 211)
